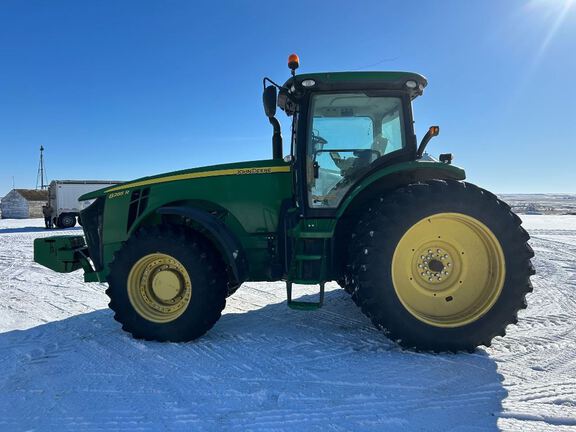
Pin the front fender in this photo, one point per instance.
(223, 238)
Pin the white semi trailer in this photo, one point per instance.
(63, 198)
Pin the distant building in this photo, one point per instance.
(23, 204)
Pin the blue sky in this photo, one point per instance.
(123, 89)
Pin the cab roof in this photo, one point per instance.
(327, 81)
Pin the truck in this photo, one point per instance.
(435, 262)
(63, 198)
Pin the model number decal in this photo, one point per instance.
(118, 194)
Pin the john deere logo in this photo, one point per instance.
(254, 171)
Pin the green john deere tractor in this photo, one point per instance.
(437, 263)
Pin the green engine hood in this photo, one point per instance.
(238, 168)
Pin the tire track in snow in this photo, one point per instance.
(265, 367)
(541, 348)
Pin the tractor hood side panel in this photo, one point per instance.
(250, 195)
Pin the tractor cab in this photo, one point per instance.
(345, 126)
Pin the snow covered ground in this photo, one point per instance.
(65, 364)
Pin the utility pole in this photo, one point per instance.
(41, 176)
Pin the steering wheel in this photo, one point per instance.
(360, 155)
(341, 163)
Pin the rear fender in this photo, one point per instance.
(395, 176)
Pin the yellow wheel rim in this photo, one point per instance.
(448, 270)
(159, 288)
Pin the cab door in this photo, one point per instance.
(348, 135)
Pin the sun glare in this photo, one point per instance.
(555, 10)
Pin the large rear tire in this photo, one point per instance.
(440, 266)
(167, 284)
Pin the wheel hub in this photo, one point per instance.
(448, 269)
(166, 285)
(434, 264)
(159, 288)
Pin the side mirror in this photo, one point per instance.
(269, 98)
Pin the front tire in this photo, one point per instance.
(441, 266)
(167, 284)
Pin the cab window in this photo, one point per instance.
(347, 134)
